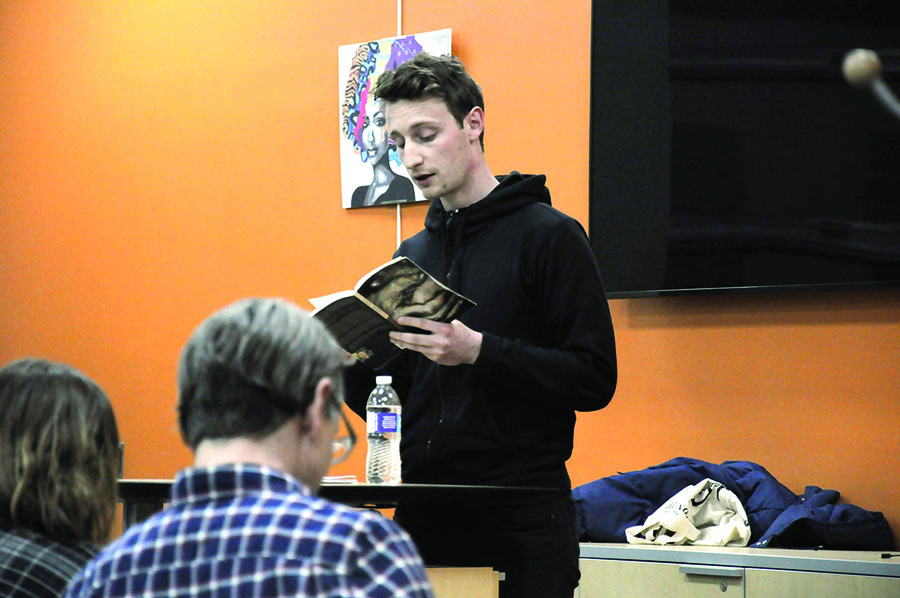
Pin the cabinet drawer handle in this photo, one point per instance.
(737, 572)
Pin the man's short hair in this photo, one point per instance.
(250, 367)
(425, 76)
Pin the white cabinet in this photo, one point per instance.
(800, 584)
(680, 571)
(600, 577)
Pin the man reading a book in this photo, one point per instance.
(490, 398)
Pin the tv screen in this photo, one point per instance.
(729, 154)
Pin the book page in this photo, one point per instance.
(402, 288)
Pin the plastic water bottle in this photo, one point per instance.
(383, 434)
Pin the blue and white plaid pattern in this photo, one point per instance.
(32, 566)
(245, 531)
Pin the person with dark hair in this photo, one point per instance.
(260, 394)
(490, 398)
(59, 464)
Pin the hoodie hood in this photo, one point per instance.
(514, 192)
(453, 230)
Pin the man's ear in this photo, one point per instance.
(317, 413)
(324, 390)
(474, 123)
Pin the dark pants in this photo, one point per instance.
(534, 546)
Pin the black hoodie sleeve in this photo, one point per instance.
(576, 359)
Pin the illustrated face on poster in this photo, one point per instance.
(371, 171)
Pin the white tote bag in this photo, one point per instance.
(707, 514)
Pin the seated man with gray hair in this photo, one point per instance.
(260, 388)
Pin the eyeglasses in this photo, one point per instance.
(344, 442)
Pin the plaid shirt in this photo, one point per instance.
(244, 530)
(32, 566)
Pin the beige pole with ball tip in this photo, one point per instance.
(862, 69)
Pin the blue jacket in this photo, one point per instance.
(778, 517)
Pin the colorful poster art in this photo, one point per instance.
(371, 171)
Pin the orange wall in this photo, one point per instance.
(161, 159)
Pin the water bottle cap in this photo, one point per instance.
(383, 380)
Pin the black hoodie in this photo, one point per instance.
(548, 347)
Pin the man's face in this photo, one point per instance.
(436, 151)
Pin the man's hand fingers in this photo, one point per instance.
(421, 323)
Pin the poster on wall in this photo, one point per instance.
(371, 171)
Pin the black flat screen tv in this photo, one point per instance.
(728, 154)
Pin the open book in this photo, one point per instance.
(361, 319)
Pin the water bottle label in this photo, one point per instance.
(382, 423)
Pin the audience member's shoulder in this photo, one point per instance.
(329, 508)
(38, 566)
(362, 522)
(30, 543)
